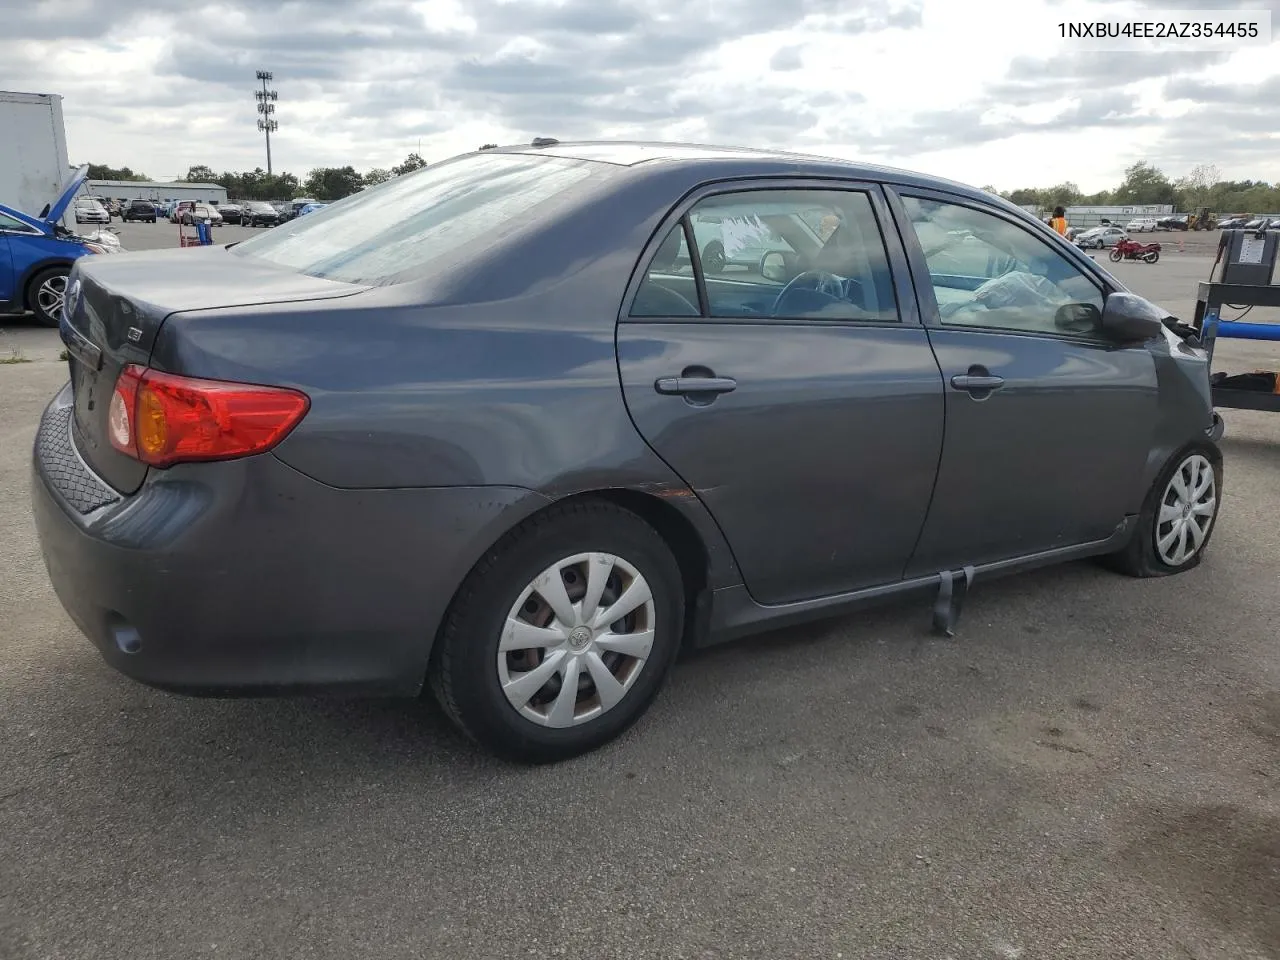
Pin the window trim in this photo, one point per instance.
(928, 301)
(890, 235)
(695, 267)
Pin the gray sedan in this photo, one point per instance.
(491, 428)
(1100, 237)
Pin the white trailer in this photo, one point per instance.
(33, 150)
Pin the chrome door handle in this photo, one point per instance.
(973, 383)
(683, 386)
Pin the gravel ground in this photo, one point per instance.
(1091, 769)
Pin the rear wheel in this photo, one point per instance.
(1152, 257)
(1177, 518)
(562, 635)
(46, 293)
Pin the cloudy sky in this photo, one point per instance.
(983, 91)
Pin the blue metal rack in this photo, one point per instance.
(1210, 298)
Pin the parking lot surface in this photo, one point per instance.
(1090, 769)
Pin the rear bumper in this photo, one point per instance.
(248, 578)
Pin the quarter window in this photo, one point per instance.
(989, 272)
(668, 288)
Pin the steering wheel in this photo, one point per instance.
(827, 286)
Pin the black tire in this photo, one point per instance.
(1140, 557)
(43, 316)
(1115, 255)
(464, 666)
(1152, 257)
(713, 257)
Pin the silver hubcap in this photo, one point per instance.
(51, 295)
(576, 640)
(1186, 511)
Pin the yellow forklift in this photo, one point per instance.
(1202, 219)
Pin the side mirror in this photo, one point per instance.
(1078, 318)
(1128, 318)
(773, 266)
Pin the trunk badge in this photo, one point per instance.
(134, 334)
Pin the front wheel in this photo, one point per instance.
(46, 293)
(1115, 255)
(561, 636)
(1177, 518)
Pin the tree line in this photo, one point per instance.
(325, 184)
(1145, 183)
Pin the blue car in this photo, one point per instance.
(36, 254)
(311, 208)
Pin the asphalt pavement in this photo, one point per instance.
(1091, 769)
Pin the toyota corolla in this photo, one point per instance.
(491, 429)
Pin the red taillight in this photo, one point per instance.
(163, 419)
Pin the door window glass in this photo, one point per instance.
(12, 223)
(793, 255)
(989, 272)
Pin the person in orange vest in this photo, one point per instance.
(1059, 221)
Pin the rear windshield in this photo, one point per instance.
(389, 233)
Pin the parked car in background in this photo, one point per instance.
(36, 256)
(257, 213)
(734, 241)
(1233, 223)
(143, 210)
(522, 449)
(1177, 222)
(297, 205)
(1100, 237)
(311, 208)
(201, 213)
(1142, 225)
(231, 212)
(89, 210)
(284, 210)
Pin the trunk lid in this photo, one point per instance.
(115, 307)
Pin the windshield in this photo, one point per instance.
(388, 233)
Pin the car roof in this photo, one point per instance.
(641, 155)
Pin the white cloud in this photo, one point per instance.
(981, 92)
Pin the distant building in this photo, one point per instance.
(1086, 217)
(147, 190)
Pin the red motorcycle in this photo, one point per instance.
(1133, 250)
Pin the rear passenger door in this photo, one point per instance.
(804, 409)
(1048, 427)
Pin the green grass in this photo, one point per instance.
(15, 356)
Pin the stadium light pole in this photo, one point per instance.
(267, 108)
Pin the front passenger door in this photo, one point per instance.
(8, 282)
(1047, 429)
